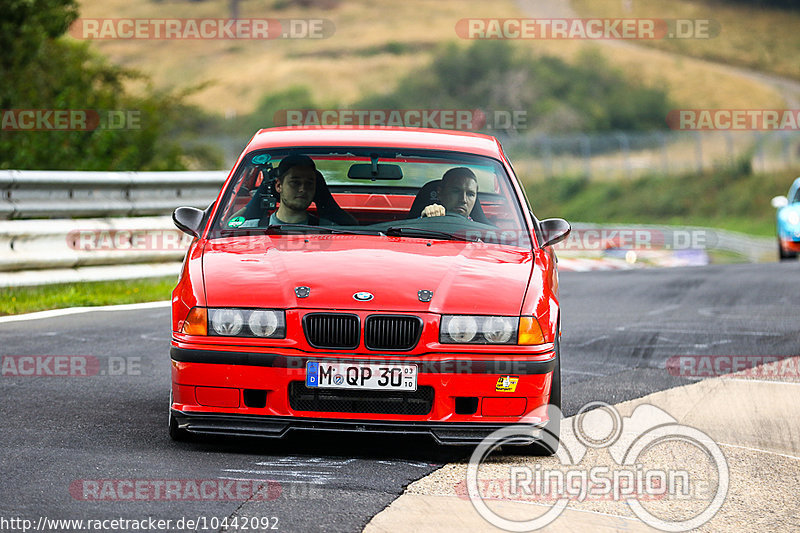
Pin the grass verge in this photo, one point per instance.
(18, 300)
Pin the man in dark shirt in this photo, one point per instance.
(457, 194)
(296, 184)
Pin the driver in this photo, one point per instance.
(457, 194)
(296, 184)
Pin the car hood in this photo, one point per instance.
(466, 278)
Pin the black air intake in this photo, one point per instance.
(392, 332)
(332, 330)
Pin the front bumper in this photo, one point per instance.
(790, 244)
(279, 427)
(214, 391)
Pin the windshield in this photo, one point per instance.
(415, 194)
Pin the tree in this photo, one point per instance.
(43, 71)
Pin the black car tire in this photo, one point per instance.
(553, 427)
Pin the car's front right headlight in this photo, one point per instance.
(235, 322)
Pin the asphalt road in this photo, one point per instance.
(619, 328)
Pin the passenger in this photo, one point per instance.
(295, 184)
(457, 192)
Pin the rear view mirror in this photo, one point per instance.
(554, 230)
(779, 201)
(373, 171)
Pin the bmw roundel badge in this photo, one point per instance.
(363, 296)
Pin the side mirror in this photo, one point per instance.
(189, 220)
(779, 201)
(554, 230)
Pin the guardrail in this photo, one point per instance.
(46, 244)
(36, 252)
(755, 249)
(68, 194)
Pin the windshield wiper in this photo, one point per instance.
(280, 228)
(404, 231)
(301, 228)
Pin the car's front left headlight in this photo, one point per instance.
(466, 329)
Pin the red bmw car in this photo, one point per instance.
(367, 279)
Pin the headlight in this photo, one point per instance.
(459, 329)
(793, 218)
(263, 323)
(230, 322)
(226, 322)
(456, 329)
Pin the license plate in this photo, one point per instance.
(373, 376)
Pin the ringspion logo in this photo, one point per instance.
(631, 476)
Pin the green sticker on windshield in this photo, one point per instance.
(235, 222)
(261, 159)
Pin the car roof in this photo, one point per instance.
(412, 138)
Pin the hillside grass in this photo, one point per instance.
(734, 199)
(763, 39)
(375, 44)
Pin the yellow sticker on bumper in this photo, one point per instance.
(506, 384)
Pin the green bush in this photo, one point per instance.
(555, 95)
